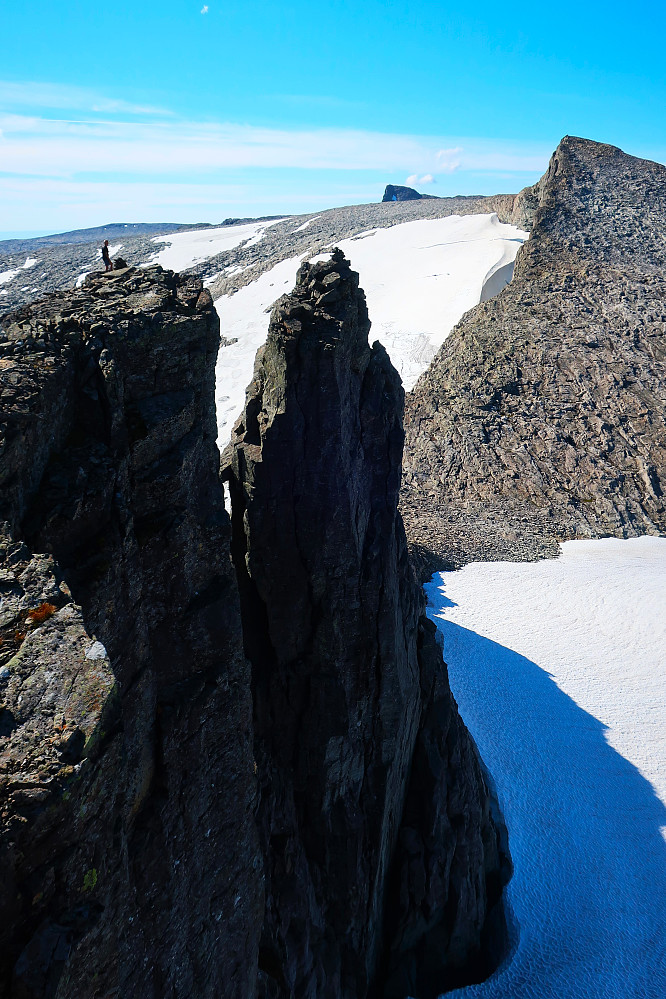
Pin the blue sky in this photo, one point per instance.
(180, 111)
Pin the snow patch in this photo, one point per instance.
(559, 669)
(185, 249)
(96, 651)
(30, 262)
(6, 276)
(303, 227)
(420, 278)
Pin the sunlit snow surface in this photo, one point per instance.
(185, 249)
(419, 278)
(559, 669)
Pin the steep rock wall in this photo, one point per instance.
(128, 853)
(382, 861)
(543, 415)
(172, 824)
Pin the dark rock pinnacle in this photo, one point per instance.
(201, 796)
(381, 859)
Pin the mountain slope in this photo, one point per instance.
(543, 416)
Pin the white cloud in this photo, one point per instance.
(414, 178)
(449, 160)
(84, 164)
(59, 148)
(64, 97)
(204, 9)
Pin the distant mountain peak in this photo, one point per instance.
(394, 192)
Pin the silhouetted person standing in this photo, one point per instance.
(108, 266)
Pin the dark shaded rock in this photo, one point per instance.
(382, 861)
(129, 860)
(543, 416)
(119, 264)
(394, 192)
(171, 825)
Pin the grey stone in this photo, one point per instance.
(543, 416)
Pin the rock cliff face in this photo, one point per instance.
(544, 415)
(382, 861)
(219, 783)
(129, 861)
(394, 192)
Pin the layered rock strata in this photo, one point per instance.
(543, 416)
(383, 865)
(129, 860)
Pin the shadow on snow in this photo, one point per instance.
(586, 833)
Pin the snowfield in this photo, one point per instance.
(185, 249)
(419, 278)
(559, 669)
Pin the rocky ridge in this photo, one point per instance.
(60, 266)
(213, 783)
(396, 192)
(543, 416)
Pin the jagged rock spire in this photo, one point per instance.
(342, 692)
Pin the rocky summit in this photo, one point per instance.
(543, 416)
(217, 778)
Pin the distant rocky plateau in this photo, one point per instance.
(230, 761)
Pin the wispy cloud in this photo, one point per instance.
(66, 147)
(204, 9)
(69, 156)
(414, 178)
(449, 160)
(56, 96)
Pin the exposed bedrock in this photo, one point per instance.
(396, 192)
(187, 810)
(129, 859)
(543, 416)
(383, 865)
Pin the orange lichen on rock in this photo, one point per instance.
(41, 613)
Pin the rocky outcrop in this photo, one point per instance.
(129, 860)
(219, 782)
(383, 866)
(543, 415)
(395, 192)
